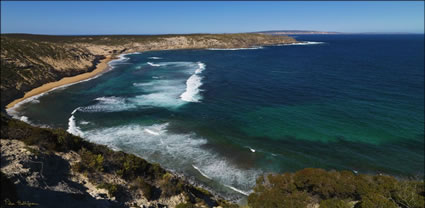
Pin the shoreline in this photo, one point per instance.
(101, 67)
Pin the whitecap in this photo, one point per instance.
(72, 125)
(192, 85)
(152, 64)
(152, 132)
(84, 122)
(154, 57)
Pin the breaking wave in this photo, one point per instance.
(179, 152)
(152, 64)
(202, 173)
(192, 85)
(72, 125)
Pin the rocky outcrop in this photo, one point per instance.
(46, 179)
(29, 61)
(42, 179)
(53, 168)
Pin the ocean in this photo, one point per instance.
(224, 117)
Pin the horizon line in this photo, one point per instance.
(199, 33)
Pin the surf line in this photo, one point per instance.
(202, 173)
(237, 190)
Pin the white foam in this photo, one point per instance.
(152, 132)
(24, 119)
(143, 84)
(234, 49)
(192, 85)
(202, 173)
(154, 57)
(108, 104)
(122, 59)
(84, 122)
(152, 64)
(72, 125)
(179, 152)
(302, 43)
(237, 190)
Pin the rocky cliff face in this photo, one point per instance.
(28, 61)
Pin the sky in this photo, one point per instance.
(143, 17)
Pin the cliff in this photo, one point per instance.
(29, 61)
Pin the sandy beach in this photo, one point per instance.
(100, 67)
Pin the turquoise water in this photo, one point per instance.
(223, 117)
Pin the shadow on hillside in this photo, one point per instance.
(48, 185)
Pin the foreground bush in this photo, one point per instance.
(146, 188)
(335, 189)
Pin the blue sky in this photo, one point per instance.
(208, 17)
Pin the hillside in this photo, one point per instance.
(50, 167)
(28, 61)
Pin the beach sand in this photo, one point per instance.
(100, 67)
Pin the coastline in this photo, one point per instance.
(100, 68)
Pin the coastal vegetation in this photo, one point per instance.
(99, 164)
(336, 189)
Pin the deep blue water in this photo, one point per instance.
(223, 117)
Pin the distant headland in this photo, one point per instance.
(297, 32)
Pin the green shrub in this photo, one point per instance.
(111, 188)
(316, 181)
(49, 139)
(408, 194)
(130, 167)
(185, 205)
(336, 189)
(374, 200)
(170, 185)
(334, 203)
(275, 199)
(146, 188)
(90, 162)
